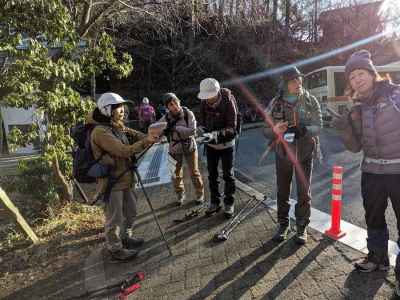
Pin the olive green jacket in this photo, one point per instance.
(309, 116)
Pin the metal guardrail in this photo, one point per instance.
(9, 163)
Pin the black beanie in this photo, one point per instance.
(291, 74)
(359, 60)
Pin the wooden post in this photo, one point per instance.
(18, 217)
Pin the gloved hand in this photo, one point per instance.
(211, 137)
(341, 121)
(225, 135)
(299, 131)
(201, 130)
(168, 130)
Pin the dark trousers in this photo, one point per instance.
(227, 157)
(284, 174)
(375, 190)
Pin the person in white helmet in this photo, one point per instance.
(147, 114)
(219, 117)
(110, 143)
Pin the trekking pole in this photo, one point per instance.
(270, 145)
(125, 288)
(81, 191)
(151, 208)
(139, 178)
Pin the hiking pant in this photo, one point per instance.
(284, 174)
(227, 157)
(120, 212)
(193, 165)
(375, 190)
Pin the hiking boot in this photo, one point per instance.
(124, 254)
(229, 211)
(301, 235)
(131, 242)
(368, 264)
(212, 209)
(199, 200)
(181, 197)
(281, 233)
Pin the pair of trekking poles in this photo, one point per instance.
(247, 210)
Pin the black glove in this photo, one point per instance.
(225, 136)
(299, 131)
(168, 132)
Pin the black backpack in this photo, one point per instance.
(239, 118)
(85, 168)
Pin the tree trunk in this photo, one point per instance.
(315, 23)
(2, 136)
(67, 193)
(274, 13)
(221, 9)
(196, 11)
(287, 17)
(274, 28)
(266, 7)
(93, 86)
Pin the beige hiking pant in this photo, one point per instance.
(193, 165)
(120, 212)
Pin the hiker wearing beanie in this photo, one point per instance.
(180, 132)
(373, 126)
(110, 145)
(297, 121)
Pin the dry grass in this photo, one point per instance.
(67, 235)
(64, 222)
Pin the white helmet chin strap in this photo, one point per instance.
(106, 110)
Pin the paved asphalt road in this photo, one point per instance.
(252, 144)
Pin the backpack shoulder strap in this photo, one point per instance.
(394, 98)
(186, 115)
(88, 144)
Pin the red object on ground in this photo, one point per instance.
(130, 285)
(125, 293)
(336, 204)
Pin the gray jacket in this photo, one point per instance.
(183, 134)
(308, 110)
(375, 128)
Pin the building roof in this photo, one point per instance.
(372, 6)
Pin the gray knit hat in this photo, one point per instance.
(168, 97)
(359, 60)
